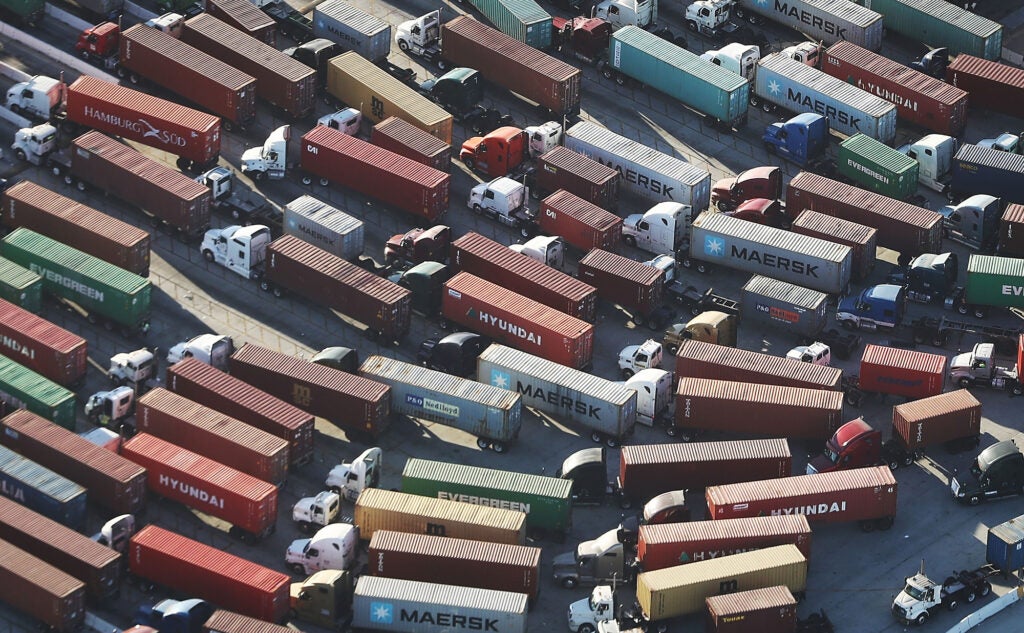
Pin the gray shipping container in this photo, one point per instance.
(324, 226)
(41, 490)
(826, 20)
(410, 606)
(566, 394)
(352, 28)
(756, 248)
(782, 304)
(646, 172)
(491, 413)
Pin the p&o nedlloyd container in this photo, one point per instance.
(781, 304)
(324, 226)
(41, 490)
(698, 359)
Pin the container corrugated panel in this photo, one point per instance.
(630, 269)
(698, 359)
(767, 610)
(862, 239)
(990, 157)
(947, 416)
(20, 286)
(22, 387)
(223, 621)
(903, 359)
(995, 281)
(901, 372)
(41, 590)
(353, 28)
(647, 470)
(782, 304)
(990, 84)
(1005, 546)
(583, 224)
(324, 226)
(879, 167)
(1011, 231)
(667, 544)
(986, 170)
(784, 291)
(941, 24)
(42, 490)
(825, 20)
(246, 17)
(524, 20)
(400, 136)
(562, 168)
(41, 346)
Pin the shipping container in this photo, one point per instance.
(358, 405)
(113, 482)
(862, 240)
(246, 17)
(1011, 231)
(919, 99)
(209, 386)
(401, 137)
(991, 85)
(565, 394)
(427, 607)
(635, 286)
(41, 490)
(41, 346)
(29, 12)
(582, 224)
(995, 281)
(373, 171)
(877, 167)
(989, 171)
(353, 28)
(825, 21)
(282, 81)
(1005, 545)
(379, 509)
(475, 563)
(325, 227)
(941, 25)
(513, 65)
(796, 309)
(562, 168)
(23, 389)
(767, 610)
(29, 205)
(901, 372)
(20, 286)
(494, 415)
(937, 419)
(196, 569)
(903, 227)
(497, 263)
(41, 590)
(697, 359)
(223, 621)
(523, 20)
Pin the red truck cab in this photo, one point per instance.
(99, 42)
(762, 211)
(419, 245)
(496, 154)
(585, 38)
(759, 182)
(854, 445)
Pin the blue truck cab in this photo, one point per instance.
(802, 139)
(881, 306)
(175, 616)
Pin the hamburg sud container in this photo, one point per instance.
(699, 84)
(513, 65)
(190, 73)
(494, 415)
(281, 81)
(379, 509)
(941, 24)
(698, 359)
(20, 286)
(373, 171)
(523, 20)
(987, 170)
(995, 281)
(582, 224)
(114, 482)
(901, 372)
(41, 346)
(510, 318)
(768, 610)
(41, 590)
(28, 205)
(247, 503)
(862, 240)
(520, 273)
(324, 226)
(475, 563)
(546, 501)
(877, 167)
(1005, 545)
(622, 281)
(823, 20)
(353, 28)
(922, 100)
(196, 569)
(22, 388)
(937, 419)
(244, 16)
(356, 404)
(562, 168)
(401, 137)
(1011, 231)
(411, 606)
(197, 428)
(797, 87)
(992, 86)
(796, 309)
(41, 490)
(756, 248)
(192, 135)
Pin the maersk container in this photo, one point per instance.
(827, 21)
(797, 87)
(995, 281)
(988, 171)
(941, 25)
(863, 240)
(781, 304)
(660, 64)
(41, 490)
(41, 590)
(354, 29)
(324, 226)
(877, 167)
(566, 394)
(20, 387)
(523, 20)
(547, 501)
(20, 286)
(991, 85)
(646, 172)
(1005, 545)
(494, 415)
(410, 606)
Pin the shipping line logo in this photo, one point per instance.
(420, 402)
(715, 246)
(503, 380)
(382, 612)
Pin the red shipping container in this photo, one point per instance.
(376, 172)
(1011, 231)
(246, 17)
(114, 482)
(768, 610)
(562, 168)
(938, 419)
(583, 224)
(401, 137)
(358, 405)
(197, 428)
(41, 590)
(196, 569)
(333, 282)
(45, 348)
(152, 121)
(696, 359)
(861, 494)
(862, 240)
(901, 372)
(223, 621)
(670, 544)
(922, 100)
(511, 319)
(247, 503)
(623, 281)
(991, 85)
(520, 273)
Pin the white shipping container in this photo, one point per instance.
(826, 20)
(353, 28)
(324, 226)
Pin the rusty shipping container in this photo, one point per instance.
(246, 17)
(901, 372)
(562, 168)
(497, 263)
(161, 192)
(223, 621)
(480, 564)
(358, 405)
(1011, 231)
(991, 85)
(380, 509)
(511, 319)
(584, 225)
(903, 227)
(767, 610)
(401, 137)
(29, 205)
(513, 65)
(696, 359)
(328, 280)
(41, 590)
(937, 419)
(624, 282)
(373, 171)
(212, 434)
(196, 569)
(862, 240)
(281, 81)
(114, 482)
(45, 348)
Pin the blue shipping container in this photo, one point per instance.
(1005, 547)
(988, 171)
(41, 490)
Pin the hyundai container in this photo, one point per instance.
(492, 414)
(582, 224)
(767, 610)
(513, 65)
(41, 590)
(621, 281)
(353, 28)
(410, 186)
(497, 263)
(990, 84)
(862, 240)
(223, 621)
(41, 490)
(989, 171)
(825, 21)
(20, 286)
(358, 405)
(523, 20)
(1005, 545)
(697, 359)
(901, 372)
(29, 205)
(246, 17)
(41, 346)
(196, 569)
(937, 419)
(565, 394)
(22, 388)
(325, 227)
(995, 281)
(562, 168)
(397, 135)
(877, 167)
(1011, 231)
(783, 305)
(941, 25)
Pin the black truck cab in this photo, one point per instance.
(997, 472)
(454, 354)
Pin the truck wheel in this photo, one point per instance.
(964, 382)
(208, 255)
(442, 65)
(620, 79)
(884, 523)
(611, 442)
(970, 597)
(257, 176)
(607, 72)
(627, 374)
(1017, 389)
(867, 526)
(702, 268)
(767, 107)
(298, 569)
(921, 618)
(569, 583)
(482, 443)
(952, 605)
(20, 153)
(324, 182)
(671, 430)
(849, 325)
(469, 162)
(586, 628)
(909, 459)
(974, 500)
(962, 309)
(595, 437)
(403, 46)
(980, 313)
(692, 26)
(986, 589)
(499, 447)
(894, 464)
(477, 209)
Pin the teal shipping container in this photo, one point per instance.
(20, 286)
(995, 281)
(23, 388)
(940, 24)
(698, 83)
(877, 167)
(523, 20)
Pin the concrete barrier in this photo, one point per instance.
(61, 57)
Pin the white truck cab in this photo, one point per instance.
(634, 358)
(807, 53)
(346, 121)
(170, 23)
(34, 144)
(107, 408)
(212, 349)
(135, 368)
(667, 264)
(420, 36)
(501, 199)
(39, 97)
(654, 395)
(543, 137)
(318, 511)
(545, 249)
(662, 229)
(271, 160)
(620, 13)
(586, 614)
(816, 354)
(334, 546)
(240, 249)
(348, 479)
(934, 153)
(1005, 142)
(738, 58)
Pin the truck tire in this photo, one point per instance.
(20, 153)
(894, 464)
(970, 596)
(962, 309)
(702, 268)
(585, 628)
(952, 605)
(498, 447)
(691, 25)
(569, 583)
(974, 499)
(627, 374)
(964, 382)
(297, 569)
(921, 618)
(1017, 389)
(986, 588)
(468, 161)
(403, 46)
(596, 437)
(208, 255)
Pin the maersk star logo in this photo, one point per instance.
(774, 87)
(500, 379)
(382, 612)
(762, 2)
(714, 246)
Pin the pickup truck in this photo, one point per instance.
(697, 302)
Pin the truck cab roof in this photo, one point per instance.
(995, 453)
(600, 545)
(852, 430)
(884, 292)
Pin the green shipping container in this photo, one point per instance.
(995, 281)
(547, 501)
(20, 387)
(98, 287)
(523, 20)
(877, 167)
(940, 24)
(20, 286)
(30, 11)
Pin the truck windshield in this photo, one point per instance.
(831, 455)
(916, 593)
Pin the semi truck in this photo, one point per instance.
(921, 595)
(981, 367)
(945, 25)
(828, 21)
(997, 472)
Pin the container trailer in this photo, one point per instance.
(769, 610)
(353, 28)
(827, 21)
(325, 227)
(246, 17)
(22, 388)
(624, 282)
(41, 346)
(563, 169)
(986, 170)
(941, 25)
(990, 84)
(41, 590)
(993, 282)
(877, 167)
(862, 240)
(697, 359)
(1004, 546)
(783, 305)
(1011, 231)
(42, 490)
(582, 224)
(20, 286)
(523, 20)
(902, 372)
(401, 137)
